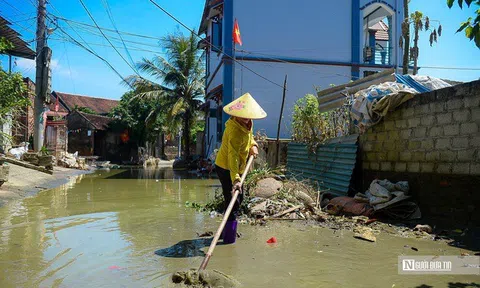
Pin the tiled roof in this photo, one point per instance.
(99, 105)
(98, 122)
(53, 101)
(382, 31)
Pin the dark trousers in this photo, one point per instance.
(227, 186)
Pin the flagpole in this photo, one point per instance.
(233, 62)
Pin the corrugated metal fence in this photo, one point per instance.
(331, 167)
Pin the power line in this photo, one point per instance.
(451, 68)
(109, 12)
(95, 54)
(93, 19)
(107, 29)
(69, 68)
(228, 56)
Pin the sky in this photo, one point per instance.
(75, 70)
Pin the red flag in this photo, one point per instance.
(236, 34)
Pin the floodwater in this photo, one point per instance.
(127, 228)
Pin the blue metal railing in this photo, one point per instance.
(377, 55)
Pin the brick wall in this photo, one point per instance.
(436, 132)
(432, 141)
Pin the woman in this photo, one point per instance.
(237, 145)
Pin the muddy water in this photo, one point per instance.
(131, 229)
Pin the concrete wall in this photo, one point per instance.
(433, 141)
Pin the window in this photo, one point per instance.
(217, 34)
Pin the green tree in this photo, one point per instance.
(418, 22)
(471, 26)
(181, 74)
(12, 93)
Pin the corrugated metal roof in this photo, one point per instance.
(20, 47)
(331, 167)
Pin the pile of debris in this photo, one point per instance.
(271, 197)
(69, 160)
(4, 171)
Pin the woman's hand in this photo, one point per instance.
(254, 151)
(237, 186)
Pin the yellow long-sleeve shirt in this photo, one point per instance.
(237, 141)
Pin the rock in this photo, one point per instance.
(31, 158)
(259, 208)
(4, 171)
(304, 198)
(364, 233)
(46, 161)
(360, 219)
(267, 188)
(204, 278)
(423, 228)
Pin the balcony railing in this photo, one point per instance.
(377, 56)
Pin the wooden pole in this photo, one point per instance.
(280, 122)
(225, 218)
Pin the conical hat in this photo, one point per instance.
(245, 107)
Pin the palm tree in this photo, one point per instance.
(181, 74)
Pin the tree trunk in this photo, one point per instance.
(415, 51)
(162, 147)
(406, 36)
(186, 134)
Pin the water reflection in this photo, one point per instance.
(160, 173)
(186, 248)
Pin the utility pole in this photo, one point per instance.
(42, 79)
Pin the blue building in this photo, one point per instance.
(316, 43)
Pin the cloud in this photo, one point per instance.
(57, 69)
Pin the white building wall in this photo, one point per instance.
(301, 81)
(311, 29)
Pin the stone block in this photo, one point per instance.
(418, 156)
(401, 145)
(461, 168)
(475, 169)
(375, 166)
(409, 112)
(389, 145)
(414, 145)
(405, 156)
(435, 131)
(466, 155)
(413, 122)
(468, 128)
(368, 146)
(365, 165)
(382, 156)
(461, 115)
(427, 167)
(413, 167)
(454, 104)
(472, 102)
(444, 168)
(378, 146)
(382, 136)
(370, 136)
(386, 166)
(476, 114)
(393, 156)
(401, 124)
(451, 130)
(389, 125)
(432, 156)
(444, 118)
(427, 144)
(438, 107)
(428, 120)
(460, 142)
(406, 134)
(394, 134)
(400, 166)
(475, 141)
(420, 132)
(371, 156)
(443, 143)
(448, 156)
(422, 109)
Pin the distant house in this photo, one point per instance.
(316, 43)
(88, 134)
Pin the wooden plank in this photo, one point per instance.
(26, 165)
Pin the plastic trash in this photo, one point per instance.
(272, 240)
(19, 151)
